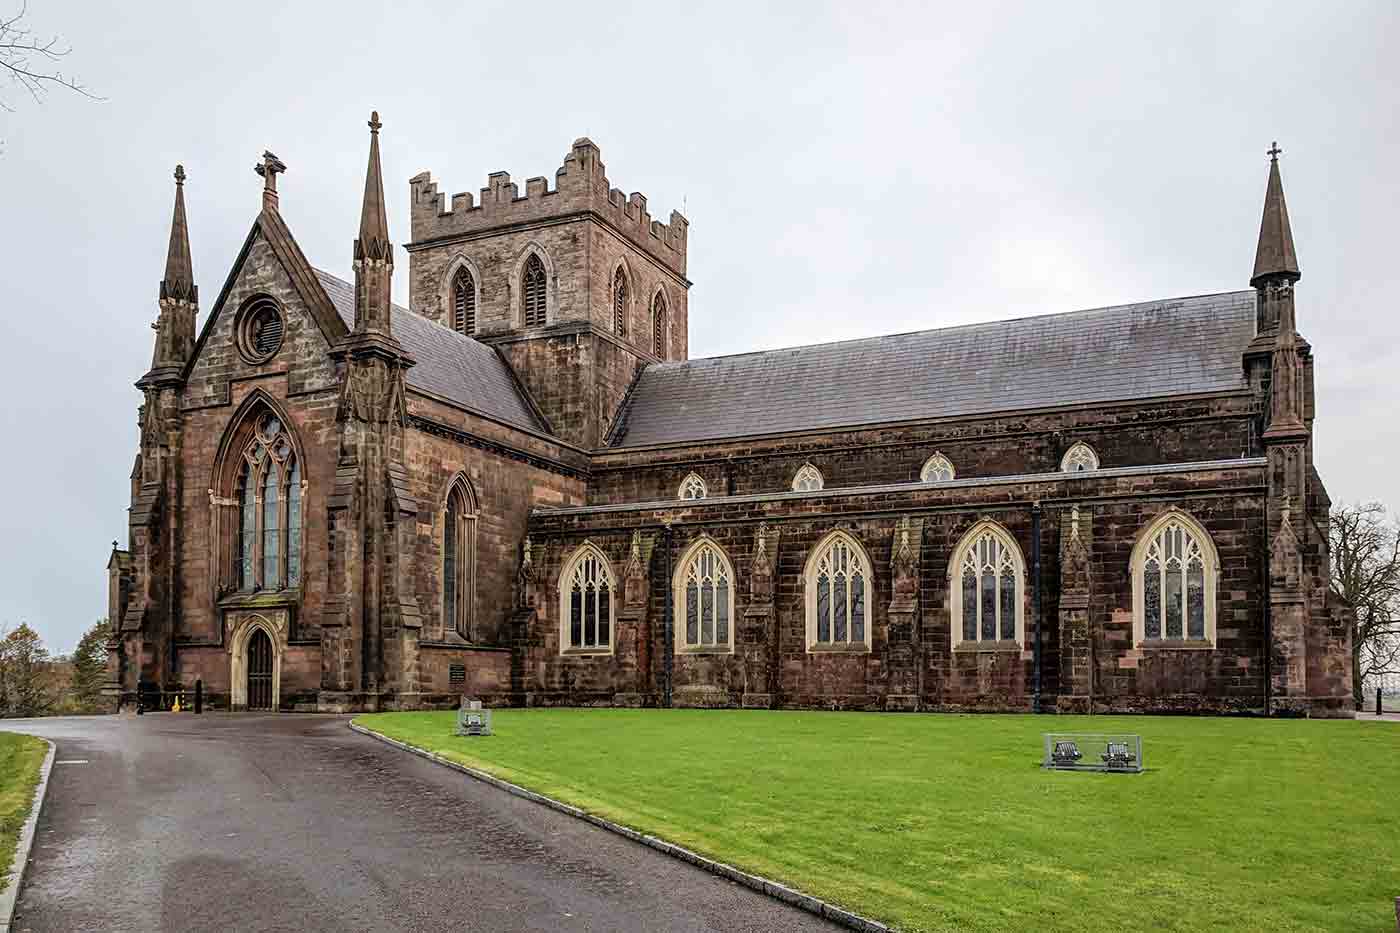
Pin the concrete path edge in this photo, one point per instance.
(758, 883)
(9, 897)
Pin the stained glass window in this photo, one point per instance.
(1080, 458)
(1175, 576)
(248, 532)
(937, 469)
(269, 509)
(808, 479)
(272, 567)
(294, 523)
(839, 574)
(459, 560)
(706, 575)
(987, 603)
(588, 587)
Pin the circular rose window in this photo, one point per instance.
(260, 334)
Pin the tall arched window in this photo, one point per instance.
(987, 584)
(704, 588)
(693, 487)
(459, 561)
(269, 509)
(658, 325)
(839, 594)
(807, 479)
(464, 302)
(1175, 568)
(619, 296)
(586, 587)
(937, 469)
(533, 284)
(1079, 459)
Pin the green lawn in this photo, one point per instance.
(20, 759)
(934, 822)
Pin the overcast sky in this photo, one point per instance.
(848, 170)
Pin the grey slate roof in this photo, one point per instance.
(449, 364)
(1156, 348)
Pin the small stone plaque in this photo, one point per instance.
(457, 674)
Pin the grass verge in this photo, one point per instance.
(935, 823)
(21, 757)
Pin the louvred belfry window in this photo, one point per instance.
(586, 602)
(269, 510)
(658, 326)
(464, 303)
(532, 291)
(620, 303)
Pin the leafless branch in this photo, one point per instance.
(30, 59)
(1364, 546)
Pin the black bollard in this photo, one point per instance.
(1379, 711)
(198, 696)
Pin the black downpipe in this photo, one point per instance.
(1035, 593)
(1268, 614)
(668, 636)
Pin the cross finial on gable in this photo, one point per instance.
(374, 123)
(180, 175)
(269, 168)
(1274, 152)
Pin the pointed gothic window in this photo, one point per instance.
(459, 561)
(704, 607)
(808, 479)
(268, 541)
(1174, 569)
(464, 302)
(987, 595)
(839, 594)
(586, 588)
(937, 469)
(1079, 459)
(658, 325)
(693, 487)
(619, 295)
(532, 291)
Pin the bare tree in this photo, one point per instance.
(1365, 552)
(31, 60)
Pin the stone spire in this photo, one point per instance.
(178, 283)
(374, 253)
(1275, 258)
(174, 326)
(373, 242)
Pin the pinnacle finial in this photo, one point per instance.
(374, 123)
(373, 241)
(178, 282)
(1274, 152)
(180, 175)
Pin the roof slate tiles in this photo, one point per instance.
(448, 364)
(1158, 348)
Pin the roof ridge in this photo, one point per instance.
(948, 329)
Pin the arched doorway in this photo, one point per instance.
(259, 670)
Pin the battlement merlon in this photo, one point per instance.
(580, 186)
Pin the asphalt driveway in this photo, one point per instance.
(232, 822)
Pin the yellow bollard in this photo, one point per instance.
(176, 707)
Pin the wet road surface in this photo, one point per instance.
(251, 822)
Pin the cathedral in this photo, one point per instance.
(522, 489)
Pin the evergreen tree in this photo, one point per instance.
(25, 662)
(90, 667)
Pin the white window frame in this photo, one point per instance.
(1010, 554)
(692, 487)
(808, 479)
(1148, 539)
(1080, 458)
(820, 557)
(937, 469)
(583, 553)
(690, 565)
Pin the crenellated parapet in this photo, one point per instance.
(581, 186)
